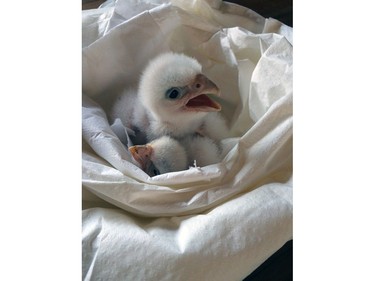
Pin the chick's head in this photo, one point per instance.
(174, 89)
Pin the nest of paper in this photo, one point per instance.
(246, 198)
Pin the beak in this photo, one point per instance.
(196, 98)
(142, 154)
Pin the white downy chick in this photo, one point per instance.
(160, 156)
(166, 154)
(201, 151)
(173, 100)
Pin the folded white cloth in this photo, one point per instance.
(209, 223)
(225, 243)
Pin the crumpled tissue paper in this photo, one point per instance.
(217, 222)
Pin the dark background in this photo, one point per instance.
(281, 10)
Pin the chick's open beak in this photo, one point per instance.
(196, 98)
(142, 154)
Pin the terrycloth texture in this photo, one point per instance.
(209, 223)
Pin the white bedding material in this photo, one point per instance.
(225, 243)
(253, 69)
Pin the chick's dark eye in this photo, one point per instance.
(173, 93)
(156, 172)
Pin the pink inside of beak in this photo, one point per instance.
(203, 103)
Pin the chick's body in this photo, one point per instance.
(166, 154)
(201, 151)
(172, 100)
